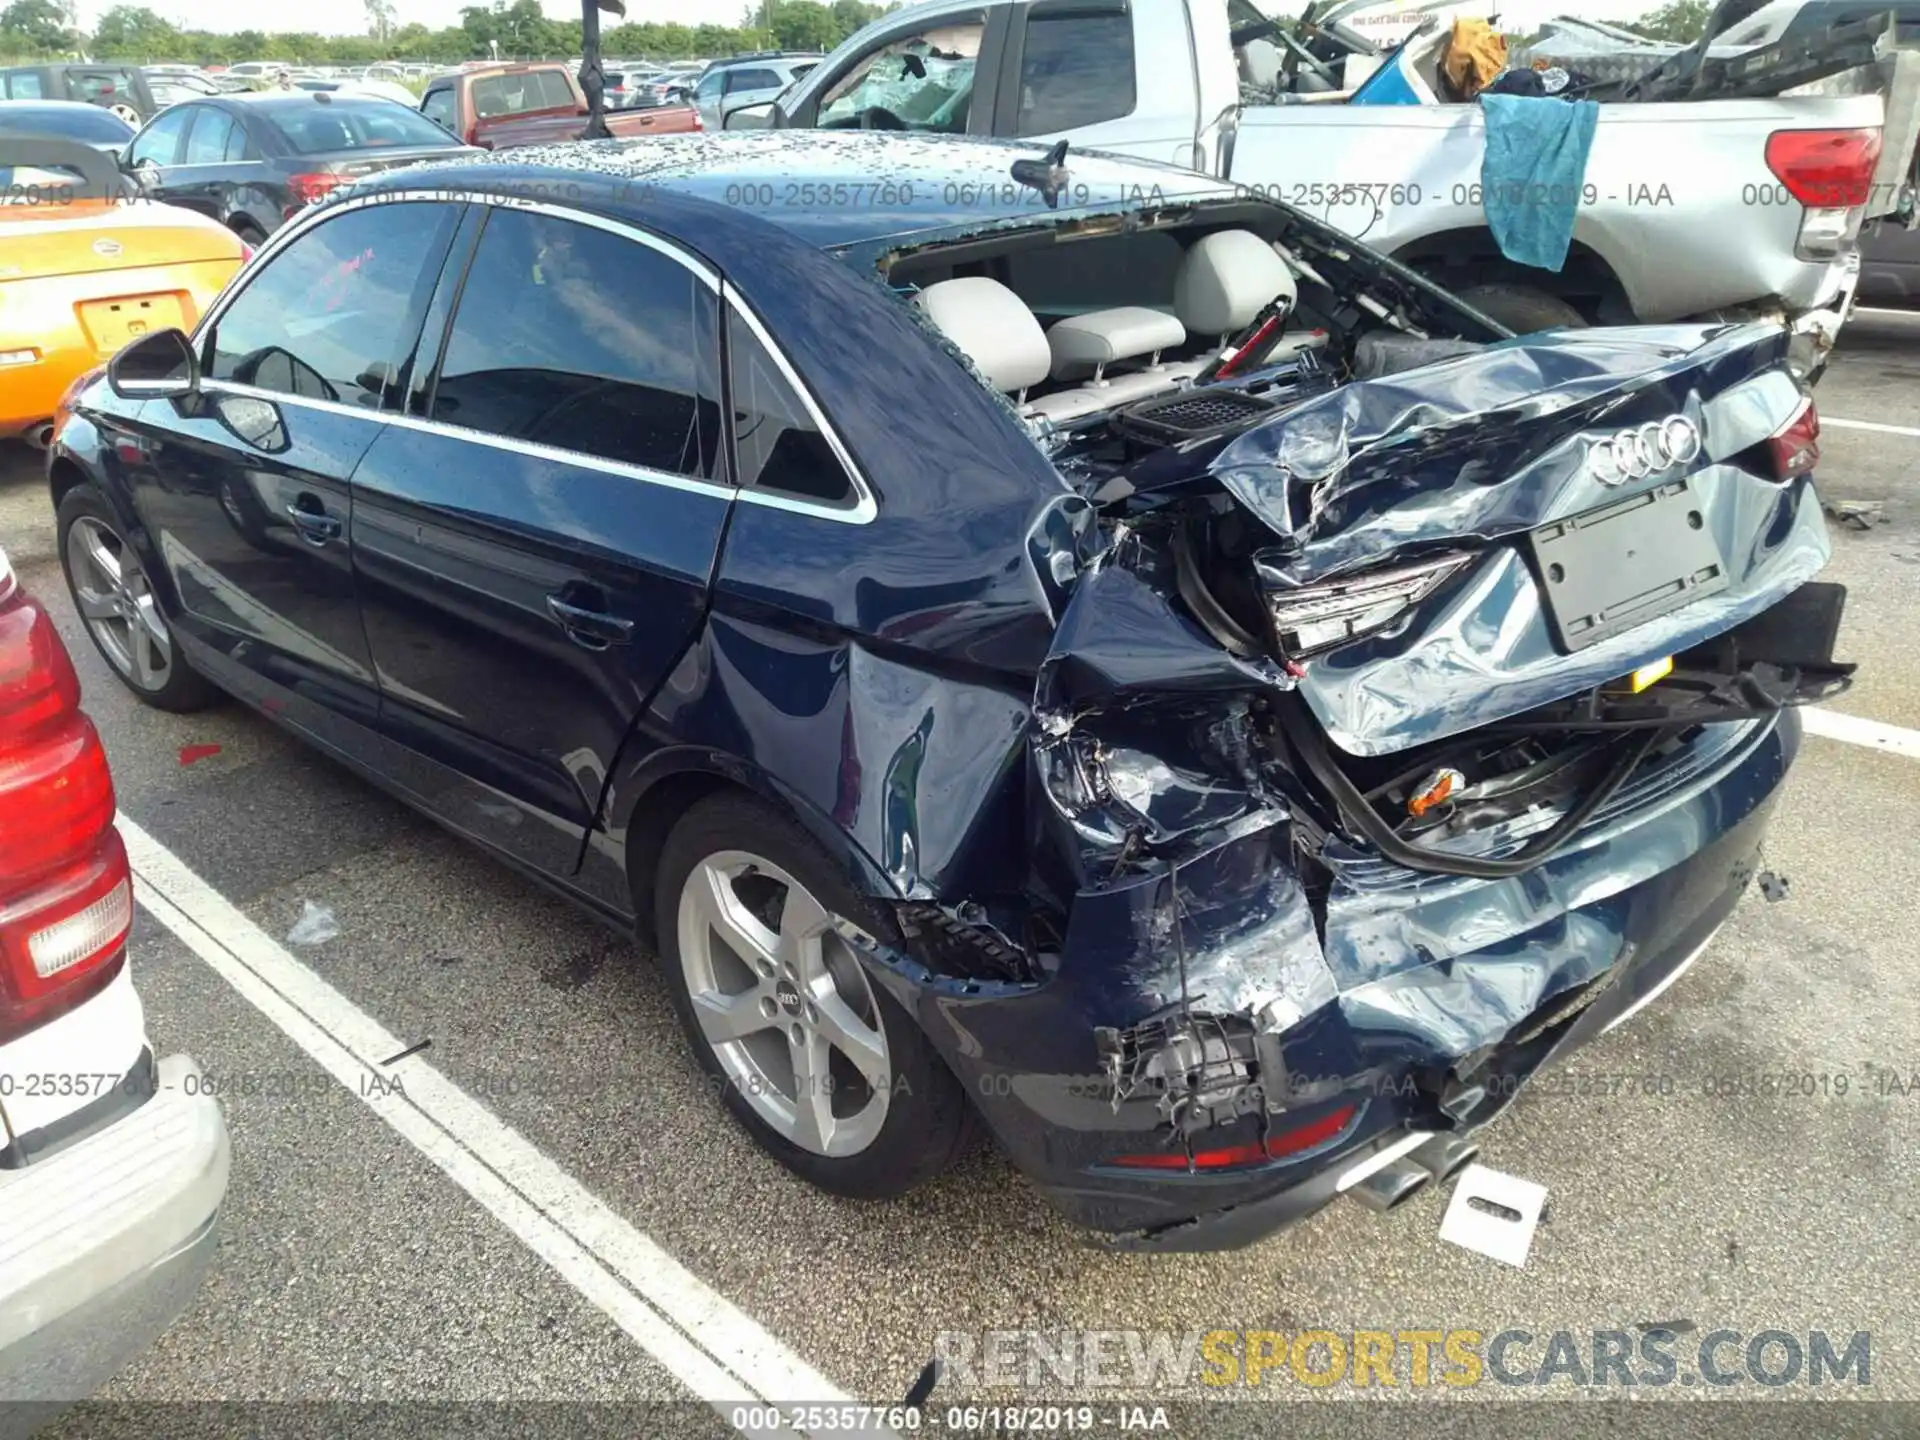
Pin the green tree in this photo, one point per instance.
(37, 27)
(133, 32)
(803, 25)
(1678, 21)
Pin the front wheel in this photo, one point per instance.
(115, 598)
(822, 1067)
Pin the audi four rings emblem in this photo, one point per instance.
(1635, 454)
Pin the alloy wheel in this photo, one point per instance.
(115, 599)
(785, 1004)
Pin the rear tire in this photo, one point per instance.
(117, 604)
(249, 233)
(819, 1064)
(1522, 308)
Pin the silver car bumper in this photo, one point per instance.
(104, 1244)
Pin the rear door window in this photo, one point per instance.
(1076, 69)
(573, 337)
(26, 85)
(208, 140)
(326, 318)
(751, 79)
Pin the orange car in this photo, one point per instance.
(84, 268)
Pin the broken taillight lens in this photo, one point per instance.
(1794, 448)
(1254, 1152)
(1316, 618)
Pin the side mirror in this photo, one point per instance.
(750, 117)
(160, 366)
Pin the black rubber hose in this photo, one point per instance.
(1304, 735)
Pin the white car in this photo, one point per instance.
(114, 1164)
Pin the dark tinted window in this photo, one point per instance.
(1076, 70)
(336, 124)
(101, 87)
(438, 107)
(755, 79)
(70, 122)
(207, 141)
(160, 141)
(777, 445)
(324, 319)
(581, 339)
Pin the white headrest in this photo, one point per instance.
(992, 328)
(1226, 279)
(1082, 344)
(1260, 63)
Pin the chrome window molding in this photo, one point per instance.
(864, 509)
(577, 458)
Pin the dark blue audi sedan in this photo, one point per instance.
(1028, 638)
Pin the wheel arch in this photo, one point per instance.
(647, 801)
(1457, 259)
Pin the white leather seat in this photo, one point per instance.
(1085, 345)
(992, 327)
(1225, 280)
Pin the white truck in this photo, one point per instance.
(1689, 209)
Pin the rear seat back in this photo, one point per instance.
(992, 327)
(1084, 345)
(1225, 281)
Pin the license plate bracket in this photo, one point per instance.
(112, 324)
(1626, 562)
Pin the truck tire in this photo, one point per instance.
(1522, 309)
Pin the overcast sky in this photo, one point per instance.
(347, 16)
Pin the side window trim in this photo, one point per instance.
(417, 384)
(864, 508)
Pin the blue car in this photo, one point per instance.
(1029, 639)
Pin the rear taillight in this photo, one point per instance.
(66, 895)
(1795, 447)
(1254, 1152)
(1830, 172)
(306, 189)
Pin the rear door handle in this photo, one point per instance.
(591, 629)
(316, 527)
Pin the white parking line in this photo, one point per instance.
(1893, 739)
(716, 1350)
(1874, 425)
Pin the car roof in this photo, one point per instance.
(834, 189)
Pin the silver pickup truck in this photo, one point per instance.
(1689, 208)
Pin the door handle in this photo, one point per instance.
(316, 527)
(590, 629)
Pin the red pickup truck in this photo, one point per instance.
(501, 106)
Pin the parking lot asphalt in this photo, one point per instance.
(351, 1268)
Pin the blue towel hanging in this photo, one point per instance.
(1532, 173)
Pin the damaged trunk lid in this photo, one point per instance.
(1473, 540)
